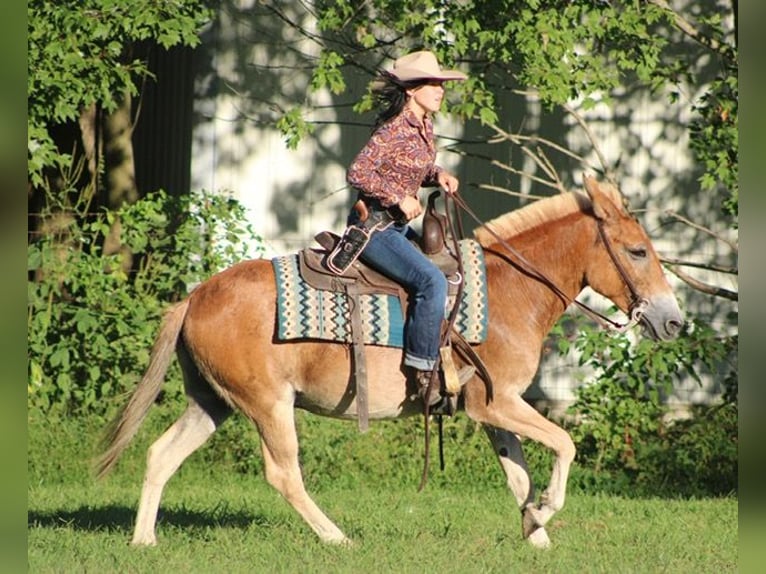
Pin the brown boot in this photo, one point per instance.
(438, 403)
(431, 396)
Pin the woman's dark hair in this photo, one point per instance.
(390, 95)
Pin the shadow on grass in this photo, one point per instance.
(121, 518)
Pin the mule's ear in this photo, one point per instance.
(601, 202)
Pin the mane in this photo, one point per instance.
(540, 212)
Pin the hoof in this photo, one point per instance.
(529, 523)
(336, 539)
(144, 542)
(344, 542)
(539, 539)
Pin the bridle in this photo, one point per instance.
(636, 309)
(638, 304)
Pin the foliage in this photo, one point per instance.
(564, 50)
(569, 52)
(696, 456)
(90, 325)
(715, 141)
(621, 414)
(81, 53)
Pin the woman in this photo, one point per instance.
(388, 172)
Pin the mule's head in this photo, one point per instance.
(627, 270)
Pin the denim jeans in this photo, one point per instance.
(390, 252)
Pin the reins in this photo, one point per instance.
(638, 304)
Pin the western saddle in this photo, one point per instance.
(360, 279)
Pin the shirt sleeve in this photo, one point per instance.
(432, 177)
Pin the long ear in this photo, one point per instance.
(603, 206)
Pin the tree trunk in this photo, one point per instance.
(120, 172)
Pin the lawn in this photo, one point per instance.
(215, 518)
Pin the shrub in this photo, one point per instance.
(90, 323)
(693, 457)
(621, 431)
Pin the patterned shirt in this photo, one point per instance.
(397, 160)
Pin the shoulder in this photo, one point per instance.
(397, 127)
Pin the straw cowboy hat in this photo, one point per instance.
(422, 66)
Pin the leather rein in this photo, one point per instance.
(638, 304)
(636, 309)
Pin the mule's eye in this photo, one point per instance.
(637, 252)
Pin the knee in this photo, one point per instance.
(434, 285)
(568, 448)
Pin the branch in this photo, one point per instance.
(508, 191)
(698, 227)
(704, 287)
(706, 266)
(510, 169)
(608, 172)
(518, 138)
(688, 28)
(541, 158)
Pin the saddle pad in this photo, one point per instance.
(307, 313)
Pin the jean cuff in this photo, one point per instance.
(419, 362)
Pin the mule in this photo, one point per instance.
(224, 336)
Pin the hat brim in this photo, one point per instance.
(410, 75)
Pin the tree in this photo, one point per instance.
(86, 62)
(562, 50)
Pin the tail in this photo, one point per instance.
(123, 428)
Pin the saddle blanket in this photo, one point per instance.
(307, 313)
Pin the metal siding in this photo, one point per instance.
(163, 132)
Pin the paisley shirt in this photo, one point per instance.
(397, 160)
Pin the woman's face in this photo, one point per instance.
(427, 98)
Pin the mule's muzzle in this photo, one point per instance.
(673, 328)
(662, 319)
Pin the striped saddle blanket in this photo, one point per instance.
(304, 312)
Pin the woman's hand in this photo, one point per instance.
(448, 182)
(410, 207)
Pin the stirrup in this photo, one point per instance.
(441, 403)
(447, 404)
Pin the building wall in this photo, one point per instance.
(252, 68)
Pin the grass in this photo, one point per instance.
(237, 524)
(215, 519)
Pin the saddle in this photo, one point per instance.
(361, 279)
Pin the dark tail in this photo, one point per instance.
(123, 428)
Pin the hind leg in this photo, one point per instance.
(279, 443)
(164, 457)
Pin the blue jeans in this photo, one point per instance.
(390, 252)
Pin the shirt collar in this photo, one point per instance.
(412, 119)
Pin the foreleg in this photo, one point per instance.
(510, 414)
(510, 454)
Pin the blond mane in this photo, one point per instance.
(539, 212)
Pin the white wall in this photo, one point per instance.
(253, 69)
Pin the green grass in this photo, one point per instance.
(237, 524)
(216, 519)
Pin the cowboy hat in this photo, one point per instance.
(422, 66)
